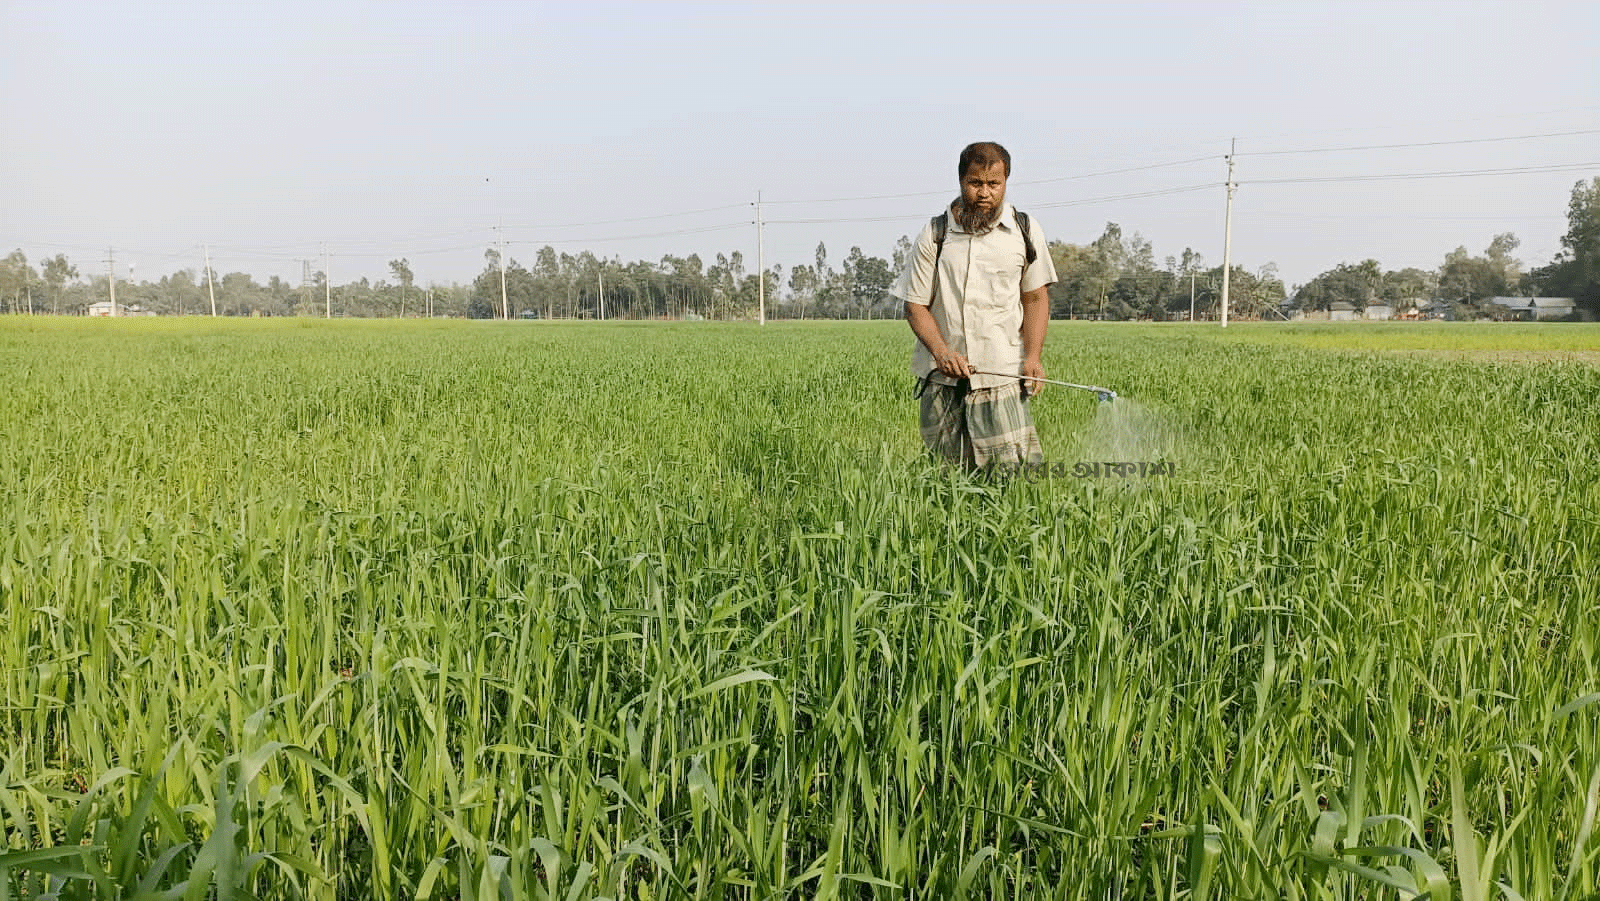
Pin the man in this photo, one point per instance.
(978, 306)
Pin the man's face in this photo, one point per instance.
(984, 190)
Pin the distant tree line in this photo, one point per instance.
(557, 285)
(561, 285)
(57, 288)
(1464, 282)
(1111, 278)
(1116, 276)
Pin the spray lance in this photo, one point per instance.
(1104, 395)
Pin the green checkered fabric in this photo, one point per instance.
(979, 427)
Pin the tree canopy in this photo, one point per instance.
(1114, 276)
(1575, 272)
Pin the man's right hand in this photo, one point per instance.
(953, 364)
(926, 329)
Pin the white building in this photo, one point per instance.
(103, 308)
(1534, 308)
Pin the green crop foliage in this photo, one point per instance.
(645, 611)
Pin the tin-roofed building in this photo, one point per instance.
(1535, 308)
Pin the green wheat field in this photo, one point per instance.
(453, 610)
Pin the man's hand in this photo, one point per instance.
(1032, 370)
(926, 329)
(952, 364)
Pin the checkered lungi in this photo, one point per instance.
(979, 427)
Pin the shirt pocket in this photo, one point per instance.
(1001, 265)
(1002, 288)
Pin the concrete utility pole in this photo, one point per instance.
(306, 278)
(600, 275)
(1227, 233)
(327, 286)
(111, 276)
(505, 305)
(761, 266)
(211, 287)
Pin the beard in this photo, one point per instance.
(974, 220)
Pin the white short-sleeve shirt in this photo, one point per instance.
(976, 295)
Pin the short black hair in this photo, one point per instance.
(983, 154)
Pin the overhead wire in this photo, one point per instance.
(1084, 201)
(1554, 134)
(356, 248)
(1406, 176)
(665, 234)
(347, 251)
(1041, 181)
(709, 209)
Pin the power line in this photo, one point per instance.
(359, 248)
(1270, 214)
(665, 234)
(1407, 176)
(709, 209)
(1554, 134)
(838, 221)
(1042, 181)
(346, 251)
(1198, 159)
(1083, 201)
(1185, 189)
(1191, 161)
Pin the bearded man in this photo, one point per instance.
(976, 292)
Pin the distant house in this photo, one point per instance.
(103, 308)
(1378, 311)
(1340, 311)
(1535, 308)
(1440, 309)
(1411, 308)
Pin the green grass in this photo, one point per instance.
(474, 610)
(1443, 337)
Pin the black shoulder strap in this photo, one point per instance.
(941, 224)
(1026, 227)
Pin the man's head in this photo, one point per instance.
(983, 170)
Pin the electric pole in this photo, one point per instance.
(211, 287)
(505, 305)
(111, 276)
(306, 281)
(327, 286)
(1227, 233)
(761, 266)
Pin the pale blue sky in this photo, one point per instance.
(413, 128)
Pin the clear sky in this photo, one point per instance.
(413, 129)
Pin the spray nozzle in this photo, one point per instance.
(1105, 397)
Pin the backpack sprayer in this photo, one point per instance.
(1104, 395)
